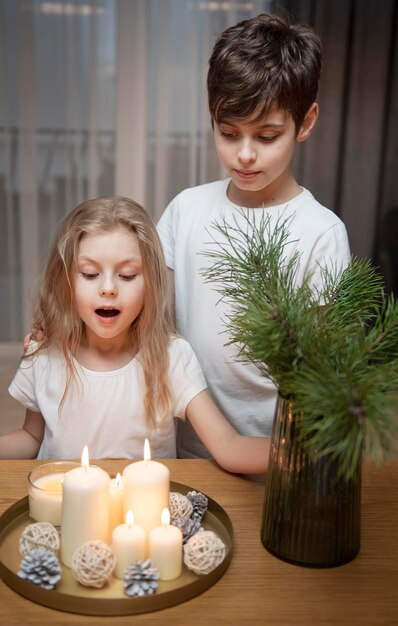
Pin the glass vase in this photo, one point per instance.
(311, 517)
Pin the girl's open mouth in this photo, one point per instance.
(107, 312)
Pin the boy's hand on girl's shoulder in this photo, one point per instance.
(36, 334)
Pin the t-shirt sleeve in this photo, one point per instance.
(186, 376)
(332, 252)
(23, 387)
(166, 228)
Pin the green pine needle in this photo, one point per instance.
(333, 351)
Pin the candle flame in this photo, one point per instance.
(85, 458)
(130, 518)
(147, 451)
(118, 480)
(165, 517)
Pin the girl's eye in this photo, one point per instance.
(88, 275)
(227, 135)
(127, 277)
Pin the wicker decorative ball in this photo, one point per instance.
(203, 552)
(93, 564)
(179, 505)
(39, 535)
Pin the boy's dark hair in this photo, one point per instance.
(260, 63)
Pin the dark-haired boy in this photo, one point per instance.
(262, 86)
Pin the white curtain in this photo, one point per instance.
(98, 97)
(102, 97)
(56, 132)
(164, 139)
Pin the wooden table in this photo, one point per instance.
(257, 588)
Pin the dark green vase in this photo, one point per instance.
(310, 517)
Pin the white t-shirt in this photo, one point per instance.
(245, 397)
(106, 410)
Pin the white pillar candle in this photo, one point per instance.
(146, 490)
(116, 489)
(128, 544)
(85, 508)
(165, 548)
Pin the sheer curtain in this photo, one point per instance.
(164, 137)
(99, 97)
(57, 134)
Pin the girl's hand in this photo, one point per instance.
(36, 334)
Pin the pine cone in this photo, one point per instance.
(199, 503)
(41, 567)
(140, 579)
(189, 526)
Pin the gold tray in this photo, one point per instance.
(72, 597)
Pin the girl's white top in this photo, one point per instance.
(104, 410)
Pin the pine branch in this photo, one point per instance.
(338, 362)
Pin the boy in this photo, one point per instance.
(262, 86)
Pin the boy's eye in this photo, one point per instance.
(268, 138)
(89, 275)
(127, 277)
(224, 133)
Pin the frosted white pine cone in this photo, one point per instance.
(199, 504)
(188, 526)
(140, 579)
(41, 567)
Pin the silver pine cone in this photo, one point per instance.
(41, 567)
(140, 579)
(199, 503)
(189, 526)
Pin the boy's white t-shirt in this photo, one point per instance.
(245, 397)
(105, 411)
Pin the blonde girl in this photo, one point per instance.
(110, 371)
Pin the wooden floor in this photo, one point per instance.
(11, 412)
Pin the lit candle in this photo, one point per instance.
(45, 491)
(85, 508)
(165, 548)
(116, 489)
(146, 490)
(45, 498)
(128, 544)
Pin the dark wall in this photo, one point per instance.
(351, 161)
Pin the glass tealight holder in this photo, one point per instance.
(45, 491)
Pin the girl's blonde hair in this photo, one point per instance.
(150, 331)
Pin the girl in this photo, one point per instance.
(110, 372)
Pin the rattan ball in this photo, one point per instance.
(203, 552)
(39, 535)
(93, 564)
(179, 505)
